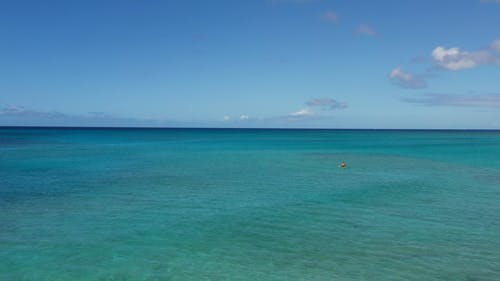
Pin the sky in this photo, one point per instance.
(261, 63)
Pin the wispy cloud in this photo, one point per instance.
(18, 115)
(495, 45)
(367, 30)
(331, 16)
(309, 112)
(20, 111)
(488, 100)
(456, 59)
(326, 104)
(407, 80)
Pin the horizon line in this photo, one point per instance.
(238, 128)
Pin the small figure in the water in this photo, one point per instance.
(343, 165)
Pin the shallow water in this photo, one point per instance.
(207, 204)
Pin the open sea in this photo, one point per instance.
(248, 204)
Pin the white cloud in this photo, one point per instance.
(244, 117)
(400, 74)
(331, 16)
(226, 118)
(406, 79)
(364, 29)
(455, 59)
(302, 113)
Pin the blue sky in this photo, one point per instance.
(261, 63)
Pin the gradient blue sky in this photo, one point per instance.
(261, 63)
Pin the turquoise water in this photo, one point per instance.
(200, 204)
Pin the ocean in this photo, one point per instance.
(248, 204)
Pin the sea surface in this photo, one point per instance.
(245, 204)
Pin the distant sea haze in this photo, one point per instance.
(248, 204)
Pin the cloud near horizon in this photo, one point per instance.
(323, 104)
(407, 80)
(488, 100)
(19, 115)
(326, 104)
(305, 112)
(20, 111)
